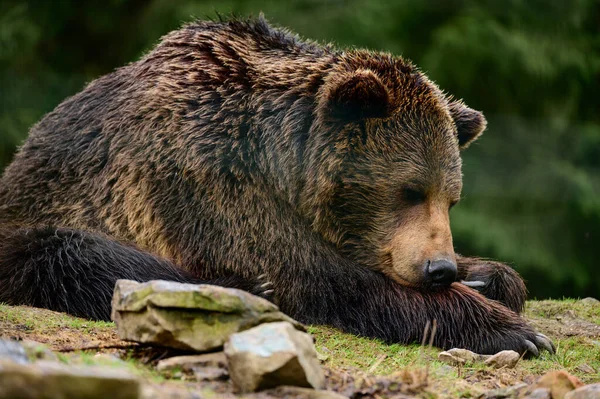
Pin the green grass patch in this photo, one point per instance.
(33, 319)
(578, 353)
(549, 309)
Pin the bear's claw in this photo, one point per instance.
(474, 284)
(546, 343)
(531, 348)
(264, 288)
(535, 344)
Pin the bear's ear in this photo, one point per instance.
(358, 95)
(469, 123)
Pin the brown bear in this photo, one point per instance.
(235, 150)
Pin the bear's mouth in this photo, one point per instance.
(438, 286)
(387, 268)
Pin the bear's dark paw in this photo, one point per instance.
(496, 281)
(524, 341)
(259, 286)
(532, 345)
(264, 288)
(482, 285)
(477, 284)
(540, 341)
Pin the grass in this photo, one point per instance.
(556, 308)
(574, 353)
(30, 319)
(578, 351)
(350, 352)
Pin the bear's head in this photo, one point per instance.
(385, 167)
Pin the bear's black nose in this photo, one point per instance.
(441, 272)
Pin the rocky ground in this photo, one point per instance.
(353, 366)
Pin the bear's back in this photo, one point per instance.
(90, 162)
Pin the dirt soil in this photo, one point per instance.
(575, 330)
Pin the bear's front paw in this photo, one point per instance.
(259, 286)
(524, 341)
(482, 285)
(476, 284)
(541, 341)
(495, 281)
(263, 288)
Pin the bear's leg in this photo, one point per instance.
(316, 284)
(366, 303)
(494, 280)
(75, 271)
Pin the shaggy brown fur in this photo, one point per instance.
(234, 150)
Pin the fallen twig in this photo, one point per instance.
(380, 359)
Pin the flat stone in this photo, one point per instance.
(458, 356)
(207, 367)
(50, 380)
(448, 358)
(187, 316)
(186, 363)
(210, 374)
(38, 351)
(591, 391)
(13, 351)
(465, 354)
(273, 354)
(513, 391)
(539, 393)
(173, 391)
(585, 368)
(590, 301)
(503, 359)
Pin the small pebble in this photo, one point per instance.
(506, 359)
(539, 393)
(585, 368)
(13, 351)
(457, 356)
(188, 363)
(590, 301)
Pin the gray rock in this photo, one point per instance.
(13, 351)
(506, 359)
(51, 380)
(186, 363)
(539, 393)
(210, 374)
(457, 356)
(590, 301)
(273, 354)
(591, 391)
(207, 367)
(513, 391)
(448, 358)
(172, 391)
(38, 351)
(187, 316)
(585, 368)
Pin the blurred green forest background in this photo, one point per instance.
(532, 182)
